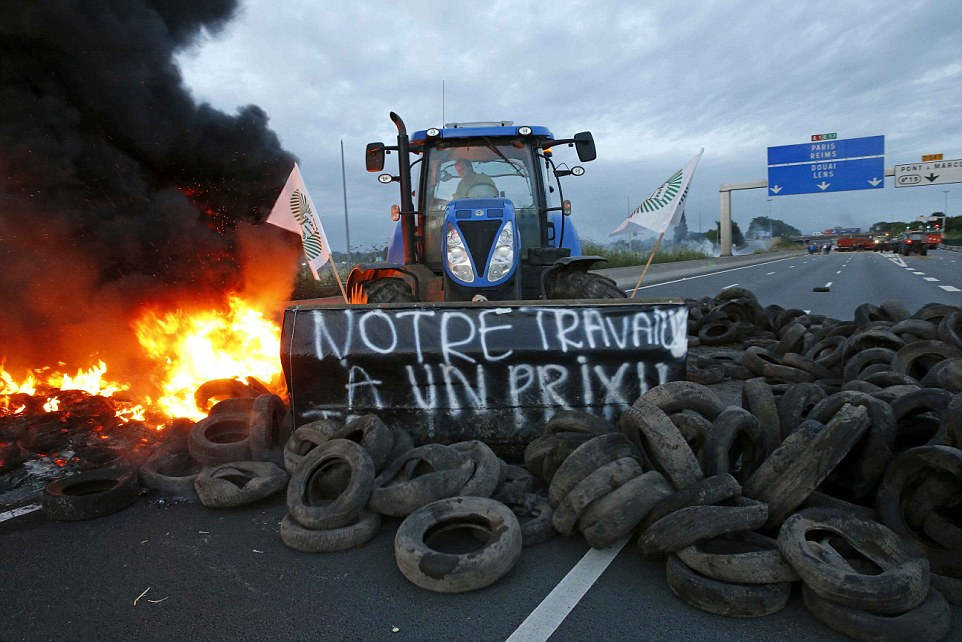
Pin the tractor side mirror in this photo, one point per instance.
(585, 144)
(374, 157)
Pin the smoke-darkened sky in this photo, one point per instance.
(117, 189)
(654, 81)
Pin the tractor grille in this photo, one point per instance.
(479, 237)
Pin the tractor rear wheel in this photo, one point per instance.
(582, 285)
(388, 290)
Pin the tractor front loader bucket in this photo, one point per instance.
(496, 372)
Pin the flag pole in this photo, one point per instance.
(337, 277)
(650, 258)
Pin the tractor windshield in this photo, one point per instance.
(478, 168)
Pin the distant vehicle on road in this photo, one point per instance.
(913, 242)
(853, 243)
(885, 243)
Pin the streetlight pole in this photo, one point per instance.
(769, 219)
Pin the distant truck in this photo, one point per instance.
(913, 242)
(853, 243)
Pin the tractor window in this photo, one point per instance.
(479, 170)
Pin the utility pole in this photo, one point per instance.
(769, 219)
(347, 227)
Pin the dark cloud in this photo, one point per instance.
(116, 188)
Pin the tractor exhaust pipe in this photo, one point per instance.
(407, 203)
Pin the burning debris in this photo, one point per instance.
(119, 192)
(127, 216)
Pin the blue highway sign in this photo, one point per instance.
(827, 166)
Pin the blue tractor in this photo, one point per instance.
(490, 222)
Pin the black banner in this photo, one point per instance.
(496, 372)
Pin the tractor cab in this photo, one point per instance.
(482, 210)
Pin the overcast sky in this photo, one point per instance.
(654, 81)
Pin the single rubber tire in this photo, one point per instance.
(458, 573)
(90, 494)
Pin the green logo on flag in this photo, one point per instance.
(663, 195)
(301, 209)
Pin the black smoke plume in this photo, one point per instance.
(117, 190)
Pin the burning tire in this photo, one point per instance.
(482, 519)
(239, 483)
(89, 494)
(220, 439)
(220, 389)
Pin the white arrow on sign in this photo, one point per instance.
(874, 182)
(776, 189)
(822, 186)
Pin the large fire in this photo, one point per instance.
(186, 348)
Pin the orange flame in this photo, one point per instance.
(187, 348)
(192, 348)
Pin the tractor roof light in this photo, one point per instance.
(384, 179)
(434, 132)
(524, 130)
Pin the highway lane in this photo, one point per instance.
(852, 278)
(226, 575)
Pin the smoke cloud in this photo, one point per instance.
(117, 190)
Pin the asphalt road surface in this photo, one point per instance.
(852, 278)
(163, 570)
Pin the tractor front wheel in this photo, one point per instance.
(387, 290)
(582, 285)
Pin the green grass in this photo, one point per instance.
(625, 258)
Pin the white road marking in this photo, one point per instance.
(838, 272)
(17, 512)
(548, 616)
(729, 286)
(770, 273)
(791, 267)
(919, 273)
(949, 288)
(829, 284)
(929, 278)
(701, 276)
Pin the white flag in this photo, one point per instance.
(295, 211)
(664, 206)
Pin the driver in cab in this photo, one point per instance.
(473, 185)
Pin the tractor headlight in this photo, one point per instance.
(457, 255)
(502, 259)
